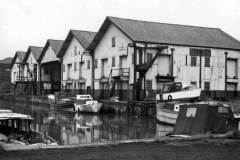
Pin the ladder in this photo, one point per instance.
(109, 90)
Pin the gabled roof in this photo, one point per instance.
(20, 55)
(36, 51)
(83, 37)
(55, 44)
(163, 33)
(7, 60)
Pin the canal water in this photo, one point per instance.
(69, 128)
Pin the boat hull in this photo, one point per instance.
(167, 116)
(182, 95)
(90, 108)
(62, 105)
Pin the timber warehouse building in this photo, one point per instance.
(132, 59)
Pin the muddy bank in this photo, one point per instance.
(199, 150)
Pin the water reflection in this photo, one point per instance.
(70, 128)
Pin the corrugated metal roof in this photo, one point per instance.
(83, 37)
(153, 32)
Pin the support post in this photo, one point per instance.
(93, 72)
(225, 81)
(134, 72)
(171, 69)
(200, 71)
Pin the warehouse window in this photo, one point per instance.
(95, 63)
(113, 61)
(113, 41)
(133, 58)
(46, 71)
(148, 84)
(207, 61)
(88, 64)
(194, 84)
(207, 86)
(149, 57)
(193, 60)
(75, 50)
(63, 67)
(75, 66)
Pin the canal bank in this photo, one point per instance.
(198, 150)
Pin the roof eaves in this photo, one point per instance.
(102, 31)
(43, 51)
(65, 45)
(85, 47)
(121, 29)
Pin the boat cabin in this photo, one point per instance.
(15, 123)
(17, 126)
(200, 118)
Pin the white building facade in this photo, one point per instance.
(17, 67)
(125, 64)
(76, 62)
(50, 67)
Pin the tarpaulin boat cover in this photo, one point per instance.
(201, 118)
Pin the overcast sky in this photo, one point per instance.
(32, 22)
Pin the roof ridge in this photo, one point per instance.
(82, 31)
(55, 40)
(164, 23)
(35, 46)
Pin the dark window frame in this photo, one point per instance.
(207, 61)
(75, 66)
(95, 63)
(149, 57)
(63, 67)
(113, 61)
(206, 86)
(113, 41)
(75, 50)
(193, 60)
(149, 84)
(88, 64)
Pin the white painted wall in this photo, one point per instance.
(49, 55)
(105, 50)
(15, 71)
(215, 74)
(31, 61)
(70, 58)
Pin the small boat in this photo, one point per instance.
(85, 103)
(60, 102)
(178, 91)
(17, 128)
(167, 112)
